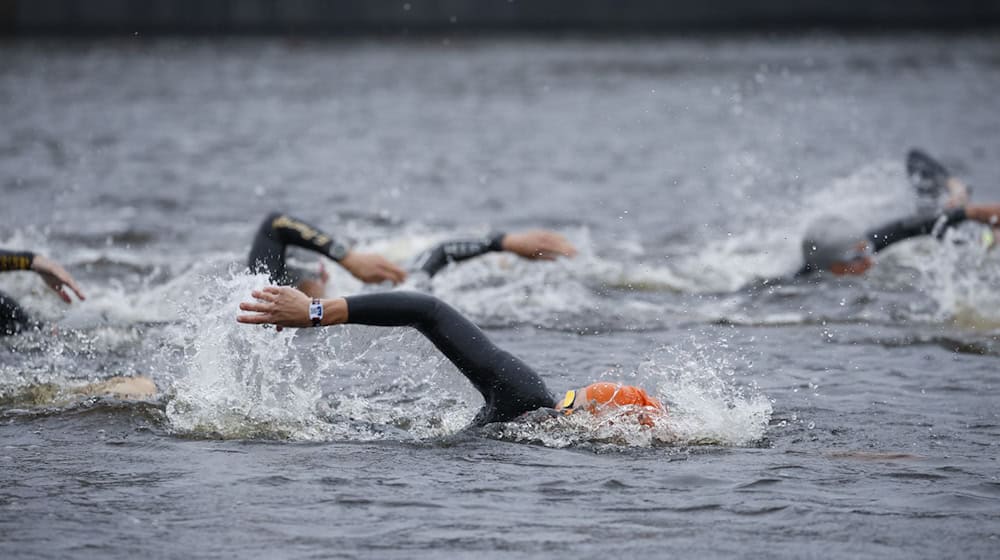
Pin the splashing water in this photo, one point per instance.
(244, 381)
(240, 381)
(955, 277)
(705, 407)
(706, 402)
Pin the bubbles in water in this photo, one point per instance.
(239, 380)
(706, 406)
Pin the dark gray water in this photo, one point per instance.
(851, 418)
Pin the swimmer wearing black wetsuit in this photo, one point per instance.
(832, 245)
(510, 388)
(13, 319)
(278, 231)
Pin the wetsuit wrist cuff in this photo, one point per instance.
(496, 241)
(956, 215)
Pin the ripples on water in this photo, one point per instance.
(855, 417)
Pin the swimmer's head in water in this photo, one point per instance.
(597, 396)
(836, 245)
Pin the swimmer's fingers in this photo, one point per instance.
(372, 268)
(561, 246)
(538, 244)
(393, 273)
(257, 307)
(56, 277)
(265, 295)
(259, 319)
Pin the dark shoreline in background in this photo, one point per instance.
(435, 17)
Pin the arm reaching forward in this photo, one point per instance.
(509, 387)
(54, 275)
(535, 245)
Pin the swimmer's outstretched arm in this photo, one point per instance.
(54, 275)
(899, 230)
(906, 228)
(277, 231)
(534, 244)
(509, 386)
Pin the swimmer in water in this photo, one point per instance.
(834, 245)
(13, 319)
(278, 231)
(510, 388)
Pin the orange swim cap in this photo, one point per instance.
(598, 395)
(615, 393)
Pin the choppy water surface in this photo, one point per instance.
(840, 418)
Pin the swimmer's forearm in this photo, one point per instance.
(334, 312)
(438, 257)
(985, 213)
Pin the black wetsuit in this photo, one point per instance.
(509, 387)
(278, 231)
(894, 232)
(443, 254)
(13, 318)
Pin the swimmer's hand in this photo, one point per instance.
(56, 277)
(287, 307)
(538, 244)
(371, 268)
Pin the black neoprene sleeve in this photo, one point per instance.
(896, 231)
(13, 319)
(434, 259)
(15, 260)
(508, 385)
(276, 233)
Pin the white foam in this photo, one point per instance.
(237, 380)
(706, 406)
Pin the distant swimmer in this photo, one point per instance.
(509, 387)
(13, 319)
(278, 231)
(834, 245)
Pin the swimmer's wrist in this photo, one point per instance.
(334, 312)
(497, 242)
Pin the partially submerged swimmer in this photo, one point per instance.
(510, 388)
(835, 245)
(126, 388)
(278, 231)
(133, 387)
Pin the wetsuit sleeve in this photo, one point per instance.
(508, 385)
(15, 260)
(276, 233)
(906, 228)
(13, 319)
(441, 255)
